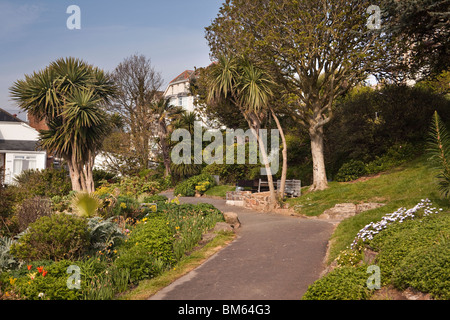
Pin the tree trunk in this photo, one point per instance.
(166, 156)
(284, 153)
(254, 125)
(319, 173)
(75, 175)
(88, 174)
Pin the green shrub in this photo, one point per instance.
(395, 156)
(351, 170)
(427, 270)
(49, 182)
(155, 199)
(7, 210)
(401, 240)
(148, 250)
(155, 236)
(57, 237)
(126, 206)
(101, 176)
(139, 263)
(187, 187)
(345, 283)
(52, 286)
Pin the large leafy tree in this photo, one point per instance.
(316, 49)
(69, 95)
(424, 28)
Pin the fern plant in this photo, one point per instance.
(439, 150)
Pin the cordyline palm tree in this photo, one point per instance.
(250, 88)
(68, 95)
(164, 113)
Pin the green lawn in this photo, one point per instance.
(219, 191)
(403, 186)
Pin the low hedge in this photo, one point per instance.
(56, 237)
(345, 283)
(407, 240)
(187, 187)
(427, 270)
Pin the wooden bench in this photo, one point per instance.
(252, 184)
(292, 188)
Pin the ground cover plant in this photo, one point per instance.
(409, 235)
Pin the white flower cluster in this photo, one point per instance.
(373, 228)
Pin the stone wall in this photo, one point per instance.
(236, 198)
(257, 201)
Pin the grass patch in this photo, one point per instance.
(219, 191)
(403, 186)
(147, 288)
(406, 184)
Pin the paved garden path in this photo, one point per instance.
(274, 257)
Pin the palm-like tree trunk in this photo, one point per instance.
(284, 154)
(255, 125)
(162, 132)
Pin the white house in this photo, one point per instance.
(18, 148)
(178, 91)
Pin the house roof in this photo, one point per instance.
(18, 145)
(185, 75)
(6, 116)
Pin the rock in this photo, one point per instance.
(342, 211)
(412, 294)
(368, 206)
(369, 256)
(222, 226)
(232, 219)
(339, 211)
(208, 236)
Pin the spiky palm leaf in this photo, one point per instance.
(439, 149)
(255, 87)
(86, 204)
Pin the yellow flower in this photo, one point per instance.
(12, 281)
(123, 205)
(32, 275)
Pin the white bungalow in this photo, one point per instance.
(18, 148)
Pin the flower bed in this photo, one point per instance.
(116, 253)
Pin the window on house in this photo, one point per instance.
(22, 163)
(180, 101)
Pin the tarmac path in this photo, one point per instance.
(274, 257)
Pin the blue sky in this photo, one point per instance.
(34, 33)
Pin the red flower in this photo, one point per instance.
(29, 266)
(40, 269)
(44, 273)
